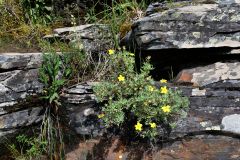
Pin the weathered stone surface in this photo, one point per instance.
(82, 109)
(18, 77)
(231, 123)
(201, 147)
(79, 102)
(10, 123)
(209, 105)
(205, 75)
(93, 38)
(197, 26)
(20, 118)
(208, 111)
(162, 6)
(20, 60)
(213, 105)
(197, 147)
(18, 80)
(208, 108)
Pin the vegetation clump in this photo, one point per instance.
(27, 148)
(132, 99)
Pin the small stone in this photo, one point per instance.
(198, 92)
(235, 156)
(213, 128)
(184, 77)
(231, 123)
(88, 111)
(203, 124)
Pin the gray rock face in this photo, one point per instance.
(212, 104)
(20, 60)
(82, 109)
(205, 75)
(198, 26)
(18, 80)
(20, 119)
(92, 38)
(18, 77)
(210, 107)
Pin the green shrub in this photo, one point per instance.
(53, 75)
(27, 148)
(15, 32)
(118, 14)
(132, 98)
(37, 11)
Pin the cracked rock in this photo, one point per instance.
(192, 26)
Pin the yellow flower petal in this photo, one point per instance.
(101, 115)
(111, 51)
(151, 88)
(163, 81)
(121, 78)
(138, 126)
(166, 109)
(164, 90)
(153, 125)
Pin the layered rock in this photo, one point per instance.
(215, 107)
(20, 106)
(192, 147)
(18, 77)
(92, 38)
(212, 88)
(195, 26)
(215, 98)
(82, 109)
(18, 80)
(206, 75)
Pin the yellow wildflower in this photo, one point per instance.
(163, 81)
(164, 90)
(111, 51)
(166, 109)
(121, 78)
(101, 115)
(151, 88)
(138, 126)
(153, 125)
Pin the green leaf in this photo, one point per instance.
(53, 97)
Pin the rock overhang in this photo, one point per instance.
(199, 26)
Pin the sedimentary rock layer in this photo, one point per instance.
(194, 26)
